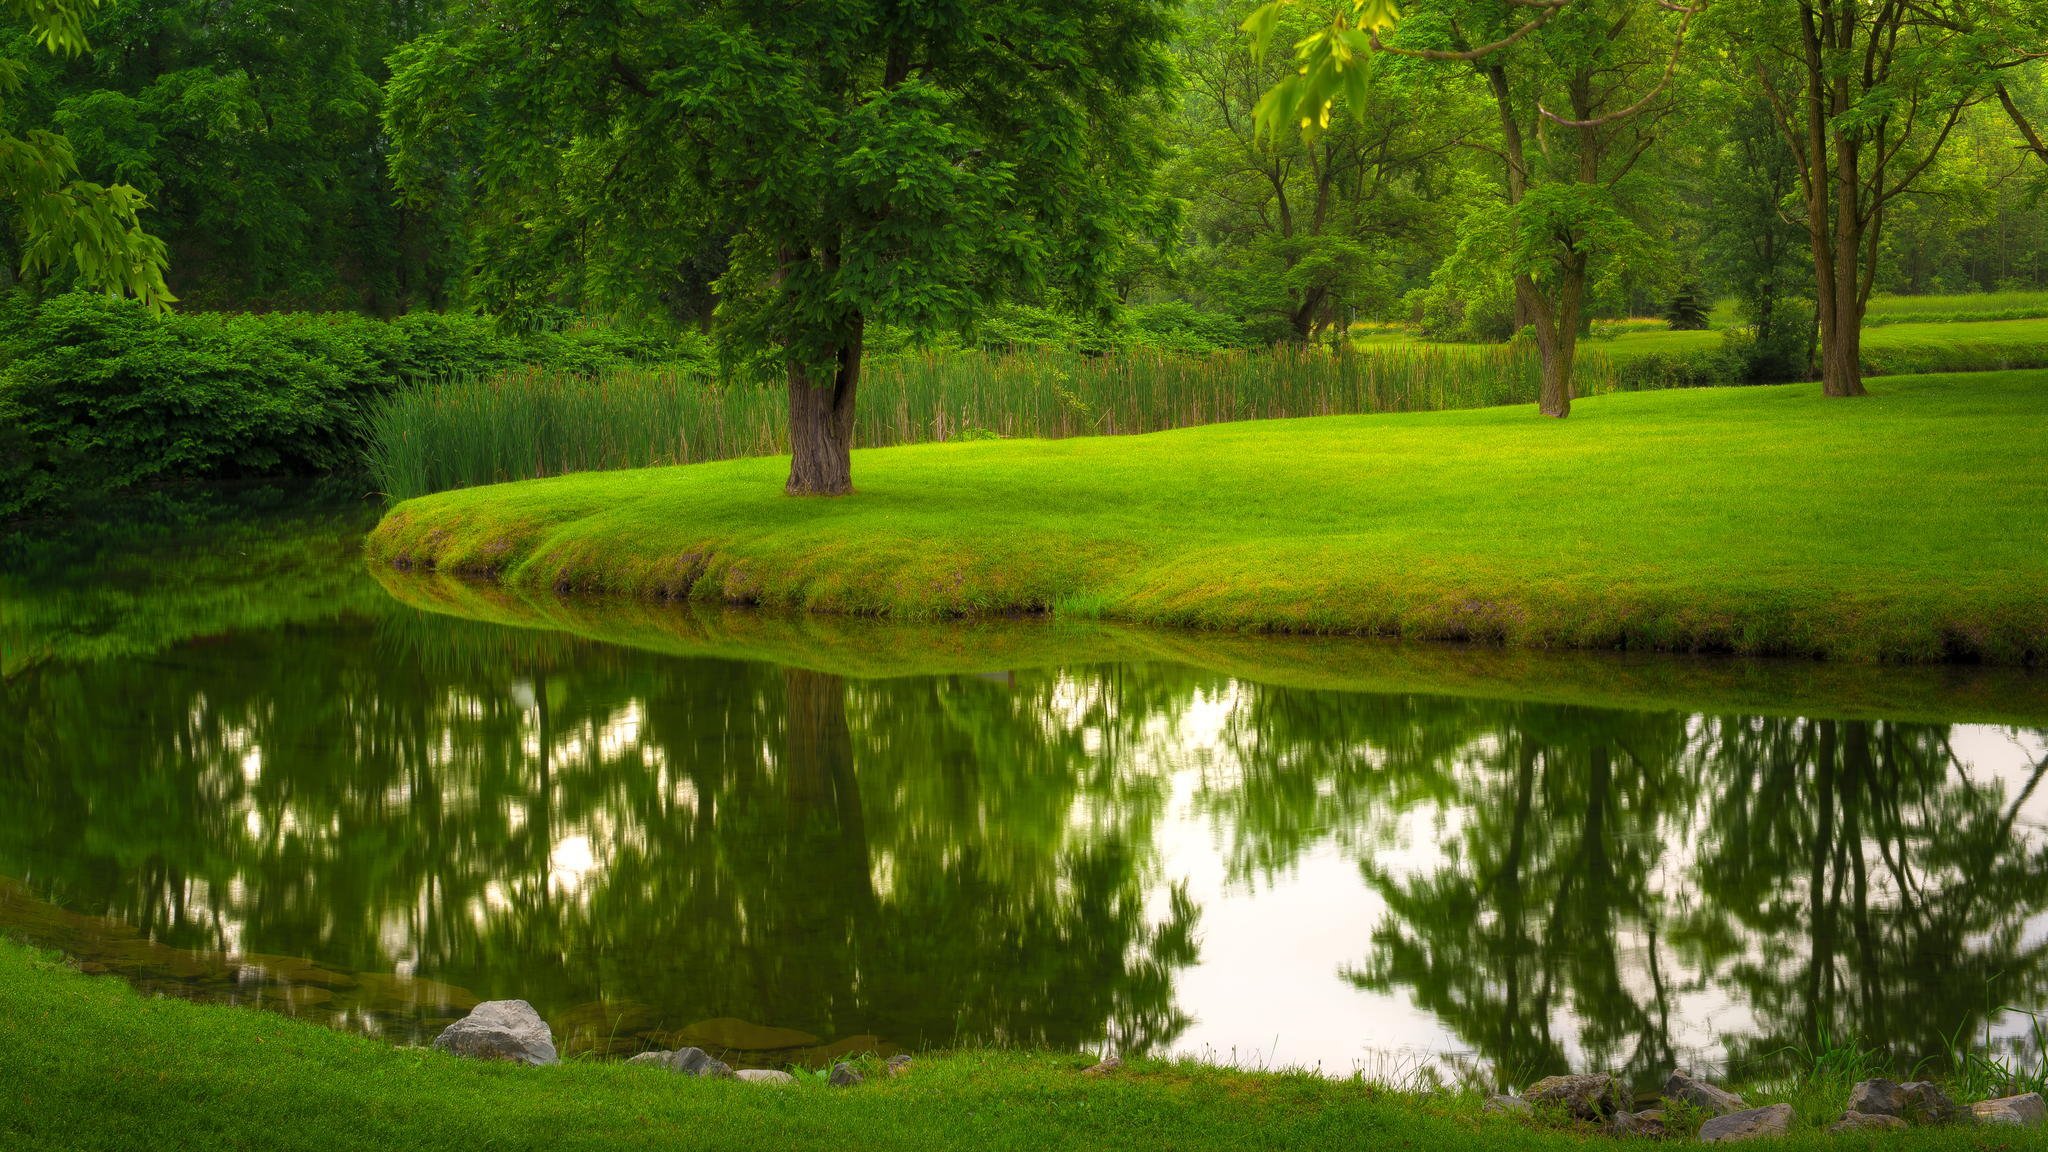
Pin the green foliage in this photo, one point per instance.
(257, 140)
(66, 224)
(100, 395)
(1686, 312)
(825, 167)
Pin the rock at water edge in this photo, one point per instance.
(843, 1076)
(2023, 1111)
(1646, 1123)
(1587, 1097)
(1105, 1068)
(1920, 1102)
(764, 1076)
(697, 1062)
(1687, 1088)
(500, 1030)
(1511, 1105)
(1866, 1122)
(1749, 1124)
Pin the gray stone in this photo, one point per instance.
(843, 1076)
(2024, 1111)
(1920, 1102)
(1587, 1097)
(764, 1076)
(500, 1030)
(1748, 1124)
(696, 1062)
(657, 1058)
(1510, 1105)
(1107, 1066)
(898, 1064)
(1649, 1122)
(1684, 1087)
(1866, 1122)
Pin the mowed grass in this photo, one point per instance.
(1911, 525)
(1953, 340)
(89, 1065)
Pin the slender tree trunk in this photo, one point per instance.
(821, 423)
(1834, 225)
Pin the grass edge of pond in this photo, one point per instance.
(94, 1065)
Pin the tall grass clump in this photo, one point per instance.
(529, 423)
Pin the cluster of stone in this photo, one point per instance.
(1874, 1105)
(1883, 1104)
(511, 1030)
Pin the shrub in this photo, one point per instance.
(97, 395)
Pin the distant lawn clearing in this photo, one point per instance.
(1912, 525)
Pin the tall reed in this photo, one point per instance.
(532, 423)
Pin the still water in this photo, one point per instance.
(233, 767)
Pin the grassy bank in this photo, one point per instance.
(863, 647)
(91, 1065)
(1754, 520)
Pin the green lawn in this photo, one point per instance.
(1962, 344)
(89, 1065)
(1912, 525)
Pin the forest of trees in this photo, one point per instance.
(797, 184)
(284, 168)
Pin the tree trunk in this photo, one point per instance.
(821, 424)
(1557, 333)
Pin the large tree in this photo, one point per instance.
(898, 161)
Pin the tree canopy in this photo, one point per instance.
(823, 168)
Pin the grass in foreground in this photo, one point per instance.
(1912, 525)
(91, 1065)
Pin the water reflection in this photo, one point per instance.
(377, 819)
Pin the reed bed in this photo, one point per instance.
(532, 423)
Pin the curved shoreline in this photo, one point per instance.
(1755, 521)
(97, 1065)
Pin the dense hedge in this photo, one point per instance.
(97, 395)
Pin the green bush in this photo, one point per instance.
(1700, 368)
(97, 395)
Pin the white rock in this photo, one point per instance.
(501, 1030)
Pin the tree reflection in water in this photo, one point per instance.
(655, 849)
(1604, 877)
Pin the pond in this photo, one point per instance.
(235, 767)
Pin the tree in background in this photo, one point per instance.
(1579, 101)
(254, 132)
(898, 161)
(1865, 95)
(1754, 245)
(1295, 233)
(1686, 312)
(1579, 87)
(65, 222)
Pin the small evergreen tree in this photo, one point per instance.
(1686, 312)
